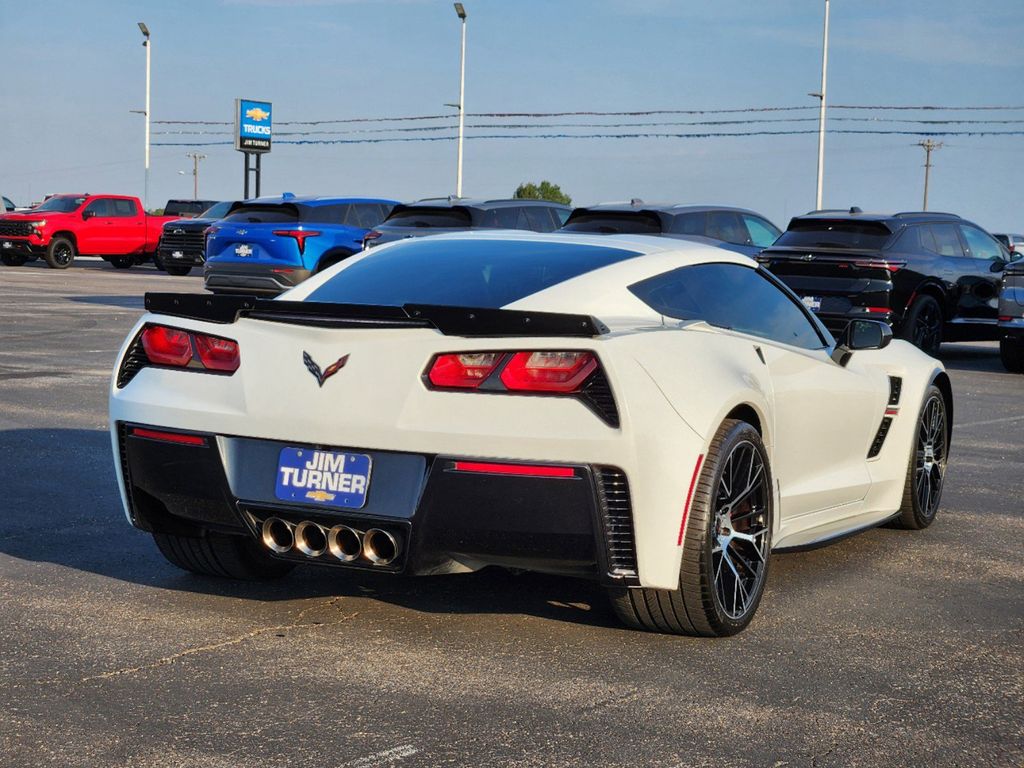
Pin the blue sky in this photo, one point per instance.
(74, 68)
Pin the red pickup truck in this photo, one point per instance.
(115, 227)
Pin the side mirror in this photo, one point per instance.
(860, 335)
(998, 265)
(87, 214)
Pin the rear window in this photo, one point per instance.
(824, 233)
(217, 211)
(462, 273)
(261, 213)
(186, 207)
(615, 223)
(429, 217)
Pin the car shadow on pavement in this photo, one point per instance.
(977, 356)
(125, 302)
(61, 506)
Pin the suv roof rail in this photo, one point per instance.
(925, 215)
(833, 210)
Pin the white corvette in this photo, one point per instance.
(653, 414)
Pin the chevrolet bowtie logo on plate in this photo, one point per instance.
(257, 114)
(324, 375)
(243, 250)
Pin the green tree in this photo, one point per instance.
(543, 191)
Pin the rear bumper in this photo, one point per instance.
(445, 518)
(256, 279)
(1012, 330)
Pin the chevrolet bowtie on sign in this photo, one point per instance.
(253, 125)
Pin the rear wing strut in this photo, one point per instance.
(451, 321)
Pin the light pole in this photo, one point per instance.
(148, 44)
(462, 98)
(821, 113)
(196, 157)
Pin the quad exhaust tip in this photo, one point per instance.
(345, 543)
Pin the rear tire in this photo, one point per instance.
(216, 554)
(177, 270)
(60, 254)
(726, 548)
(922, 325)
(13, 259)
(122, 262)
(926, 468)
(1011, 352)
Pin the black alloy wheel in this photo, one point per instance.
(923, 326)
(61, 253)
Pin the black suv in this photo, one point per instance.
(1011, 318)
(736, 229)
(435, 216)
(933, 277)
(183, 241)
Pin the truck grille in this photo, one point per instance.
(184, 240)
(616, 510)
(15, 229)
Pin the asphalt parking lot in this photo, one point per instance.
(890, 648)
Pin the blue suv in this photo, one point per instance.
(267, 245)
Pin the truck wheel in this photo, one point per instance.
(1011, 351)
(922, 326)
(122, 262)
(178, 270)
(159, 263)
(61, 253)
(13, 259)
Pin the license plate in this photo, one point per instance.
(329, 478)
(177, 255)
(813, 303)
(8, 244)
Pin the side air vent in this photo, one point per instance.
(134, 361)
(883, 430)
(616, 511)
(895, 387)
(597, 394)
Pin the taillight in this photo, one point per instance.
(300, 236)
(548, 371)
(891, 266)
(463, 371)
(217, 354)
(178, 348)
(167, 346)
(369, 237)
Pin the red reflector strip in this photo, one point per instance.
(169, 437)
(689, 498)
(1005, 318)
(528, 470)
(891, 411)
(877, 310)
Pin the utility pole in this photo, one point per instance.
(196, 157)
(929, 147)
(821, 114)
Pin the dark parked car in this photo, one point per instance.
(734, 228)
(187, 209)
(933, 277)
(183, 241)
(435, 216)
(1011, 318)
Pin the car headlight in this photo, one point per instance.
(38, 224)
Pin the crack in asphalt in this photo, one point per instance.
(165, 660)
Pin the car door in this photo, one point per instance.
(93, 234)
(979, 295)
(126, 229)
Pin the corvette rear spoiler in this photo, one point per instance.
(451, 321)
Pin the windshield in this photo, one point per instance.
(836, 233)
(185, 207)
(216, 211)
(62, 204)
(462, 273)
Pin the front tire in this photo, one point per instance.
(215, 554)
(922, 326)
(178, 270)
(13, 259)
(726, 547)
(1011, 352)
(122, 262)
(60, 254)
(926, 469)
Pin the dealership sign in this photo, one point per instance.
(252, 125)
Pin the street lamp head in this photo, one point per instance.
(144, 29)
(460, 11)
